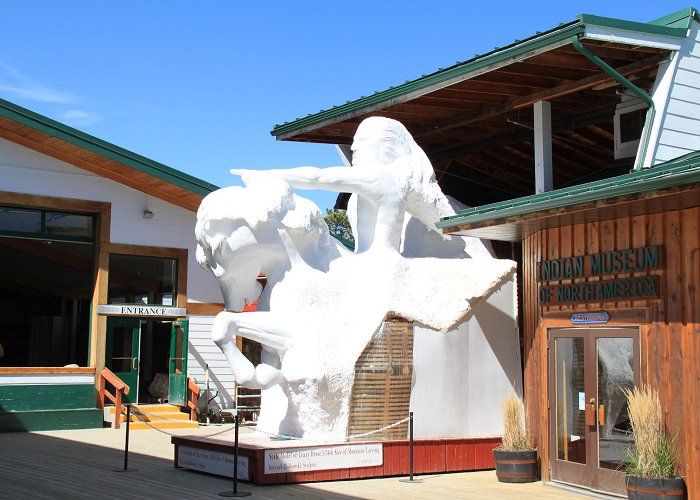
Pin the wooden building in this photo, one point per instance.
(97, 269)
(579, 148)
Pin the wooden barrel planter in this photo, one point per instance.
(649, 488)
(516, 466)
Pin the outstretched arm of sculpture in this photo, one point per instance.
(356, 179)
(262, 327)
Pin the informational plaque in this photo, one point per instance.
(211, 462)
(323, 458)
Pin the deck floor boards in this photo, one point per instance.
(81, 464)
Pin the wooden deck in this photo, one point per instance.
(82, 463)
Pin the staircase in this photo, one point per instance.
(159, 416)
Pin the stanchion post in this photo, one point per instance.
(410, 452)
(410, 444)
(126, 443)
(235, 493)
(235, 454)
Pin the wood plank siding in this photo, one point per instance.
(381, 392)
(669, 324)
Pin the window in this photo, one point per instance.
(45, 224)
(628, 123)
(136, 279)
(47, 261)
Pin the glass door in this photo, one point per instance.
(122, 352)
(589, 426)
(177, 378)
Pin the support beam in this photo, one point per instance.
(345, 153)
(543, 146)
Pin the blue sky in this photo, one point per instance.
(200, 85)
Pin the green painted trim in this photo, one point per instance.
(681, 19)
(515, 50)
(681, 171)
(649, 28)
(50, 420)
(105, 149)
(46, 397)
(651, 111)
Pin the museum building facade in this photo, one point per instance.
(579, 149)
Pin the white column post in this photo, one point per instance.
(543, 146)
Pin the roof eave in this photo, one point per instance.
(410, 90)
(632, 33)
(677, 172)
(103, 148)
(654, 34)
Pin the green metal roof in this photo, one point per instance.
(678, 172)
(680, 19)
(103, 148)
(674, 25)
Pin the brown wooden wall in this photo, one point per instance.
(669, 325)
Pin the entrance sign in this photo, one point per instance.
(323, 458)
(211, 462)
(138, 310)
(588, 318)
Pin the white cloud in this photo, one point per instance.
(80, 117)
(14, 83)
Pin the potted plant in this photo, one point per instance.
(516, 460)
(651, 472)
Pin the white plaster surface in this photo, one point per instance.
(322, 305)
(461, 377)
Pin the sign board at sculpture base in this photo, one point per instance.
(322, 458)
(212, 462)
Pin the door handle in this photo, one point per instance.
(590, 413)
(601, 415)
(134, 364)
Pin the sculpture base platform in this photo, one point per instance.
(265, 460)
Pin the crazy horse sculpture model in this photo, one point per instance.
(323, 304)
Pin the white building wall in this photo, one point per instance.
(203, 351)
(676, 95)
(460, 378)
(24, 170)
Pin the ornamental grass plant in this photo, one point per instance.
(653, 454)
(514, 435)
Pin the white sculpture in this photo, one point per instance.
(322, 304)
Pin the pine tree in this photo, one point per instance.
(338, 224)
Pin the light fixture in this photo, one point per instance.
(147, 214)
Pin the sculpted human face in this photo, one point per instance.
(369, 146)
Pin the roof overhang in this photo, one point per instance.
(674, 185)
(587, 27)
(72, 146)
(475, 120)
